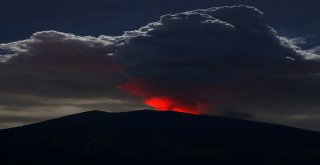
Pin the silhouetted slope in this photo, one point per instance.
(150, 137)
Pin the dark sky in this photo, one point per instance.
(257, 63)
(111, 17)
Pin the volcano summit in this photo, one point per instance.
(153, 137)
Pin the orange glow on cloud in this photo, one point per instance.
(165, 104)
(164, 100)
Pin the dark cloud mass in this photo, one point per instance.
(217, 60)
(57, 64)
(54, 74)
(221, 60)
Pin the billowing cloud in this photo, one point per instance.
(52, 63)
(309, 43)
(53, 74)
(221, 60)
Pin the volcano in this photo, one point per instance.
(156, 137)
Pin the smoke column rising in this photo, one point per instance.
(189, 62)
(221, 60)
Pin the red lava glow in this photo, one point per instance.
(164, 100)
(165, 104)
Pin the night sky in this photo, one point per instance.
(250, 59)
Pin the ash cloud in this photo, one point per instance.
(53, 74)
(221, 60)
(56, 64)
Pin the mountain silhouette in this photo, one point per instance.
(151, 137)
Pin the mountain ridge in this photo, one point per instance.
(152, 137)
(102, 112)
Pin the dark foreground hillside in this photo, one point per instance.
(154, 138)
